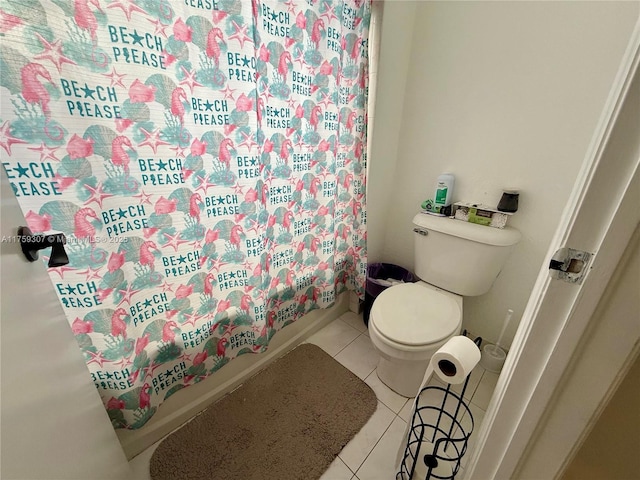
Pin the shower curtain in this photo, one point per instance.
(205, 160)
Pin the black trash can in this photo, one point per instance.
(377, 274)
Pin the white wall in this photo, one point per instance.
(502, 94)
(54, 425)
(395, 36)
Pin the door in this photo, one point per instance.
(54, 425)
(600, 218)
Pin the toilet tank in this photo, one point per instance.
(460, 257)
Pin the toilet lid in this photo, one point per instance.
(414, 314)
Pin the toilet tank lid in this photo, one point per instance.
(501, 237)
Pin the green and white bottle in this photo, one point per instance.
(444, 192)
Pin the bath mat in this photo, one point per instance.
(288, 422)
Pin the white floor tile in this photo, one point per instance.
(485, 389)
(406, 410)
(478, 417)
(381, 462)
(435, 380)
(354, 320)
(355, 452)
(354, 478)
(431, 404)
(359, 356)
(474, 380)
(334, 337)
(387, 396)
(337, 471)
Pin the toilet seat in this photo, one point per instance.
(415, 315)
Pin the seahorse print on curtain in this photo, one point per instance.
(205, 160)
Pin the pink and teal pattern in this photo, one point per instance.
(206, 160)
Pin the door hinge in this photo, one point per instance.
(570, 265)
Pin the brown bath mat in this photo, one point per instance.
(289, 422)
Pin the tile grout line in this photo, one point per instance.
(359, 335)
(376, 444)
(381, 401)
(348, 468)
(477, 385)
(354, 473)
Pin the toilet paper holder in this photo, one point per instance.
(437, 438)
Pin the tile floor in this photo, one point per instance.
(371, 454)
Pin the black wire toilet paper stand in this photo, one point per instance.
(437, 439)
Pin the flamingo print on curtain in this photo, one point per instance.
(205, 160)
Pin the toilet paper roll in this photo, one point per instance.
(455, 359)
(439, 469)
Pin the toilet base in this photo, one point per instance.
(403, 377)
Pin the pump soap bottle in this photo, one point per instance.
(444, 192)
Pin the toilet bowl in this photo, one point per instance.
(407, 325)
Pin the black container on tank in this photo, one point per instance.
(509, 201)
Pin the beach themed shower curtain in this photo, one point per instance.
(205, 160)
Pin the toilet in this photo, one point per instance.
(408, 323)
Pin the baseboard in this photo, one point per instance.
(187, 403)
